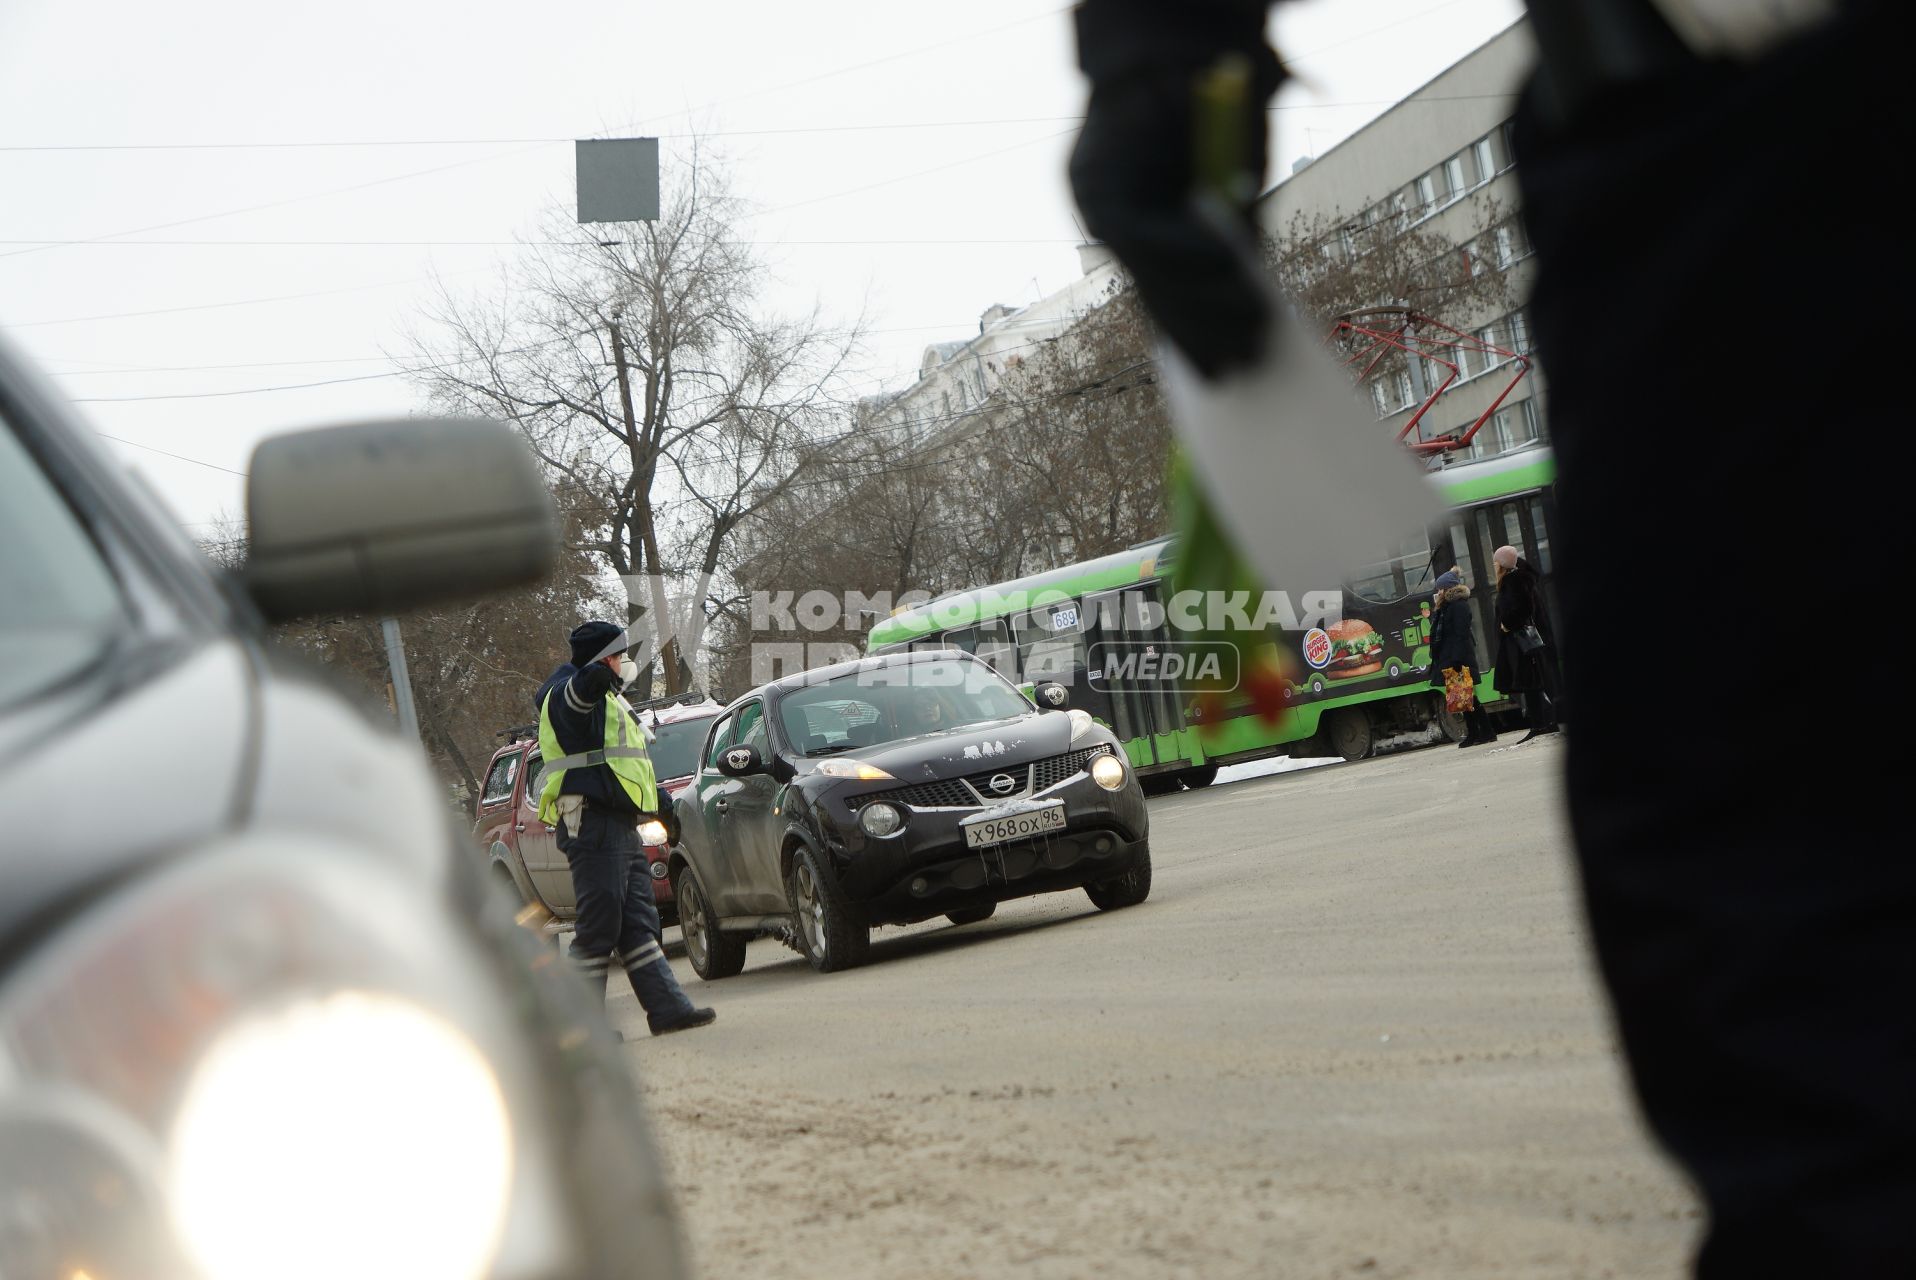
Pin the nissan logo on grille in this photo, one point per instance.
(1004, 784)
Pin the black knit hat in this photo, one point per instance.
(592, 641)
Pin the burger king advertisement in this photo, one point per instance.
(1356, 649)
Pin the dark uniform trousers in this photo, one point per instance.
(1715, 253)
(612, 884)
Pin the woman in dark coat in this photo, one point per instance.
(1453, 646)
(1532, 676)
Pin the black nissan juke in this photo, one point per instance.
(891, 790)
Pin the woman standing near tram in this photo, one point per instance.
(1526, 646)
(1453, 656)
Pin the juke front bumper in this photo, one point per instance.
(927, 869)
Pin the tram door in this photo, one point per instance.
(1524, 522)
(1126, 631)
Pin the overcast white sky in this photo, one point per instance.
(906, 159)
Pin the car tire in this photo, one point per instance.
(832, 933)
(1127, 890)
(972, 915)
(508, 884)
(713, 954)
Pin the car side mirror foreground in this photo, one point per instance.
(383, 517)
(1050, 696)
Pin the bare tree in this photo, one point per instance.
(1087, 429)
(651, 381)
(1332, 263)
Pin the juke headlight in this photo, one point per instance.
(1107, 771)
(846, 767)
(277, 1058)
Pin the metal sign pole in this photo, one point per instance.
(402, 683)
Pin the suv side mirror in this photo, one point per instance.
(1050, 696)
(386, 516)
(740, 762)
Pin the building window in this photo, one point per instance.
(1454, 176)
(1486, 162)
(1519, 333)
(1427, 193)
(1489, 336)
(1380, 400)
(1512, 244)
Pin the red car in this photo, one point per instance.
(524, 852)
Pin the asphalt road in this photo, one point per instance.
(1355, 1031)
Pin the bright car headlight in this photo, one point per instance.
(880, 819)
(653, 832)
(1107, 771)
(1081, 722)
(845, 767)
(287, 1059)
(364, 1103)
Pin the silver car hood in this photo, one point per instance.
(219, 741)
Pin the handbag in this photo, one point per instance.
(1529, 639)
(1460, 690)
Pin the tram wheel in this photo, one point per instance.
(1350, 733)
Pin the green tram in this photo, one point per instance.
(1050, 626)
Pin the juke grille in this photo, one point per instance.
(965, 793)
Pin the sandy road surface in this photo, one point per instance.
(1353, 1032)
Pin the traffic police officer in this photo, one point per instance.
(598, 788)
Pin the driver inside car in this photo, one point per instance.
(923, 714)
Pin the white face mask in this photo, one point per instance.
(628, 670)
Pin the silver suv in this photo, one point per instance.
(260, 1013)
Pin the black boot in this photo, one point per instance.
(684, 1022)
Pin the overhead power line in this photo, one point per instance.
(533, 244)
(234, 302)
(315, 144)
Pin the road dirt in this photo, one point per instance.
(1354, 1032)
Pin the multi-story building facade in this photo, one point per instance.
(1441, 163)
(953, 395)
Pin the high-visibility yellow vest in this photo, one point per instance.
(624, 752)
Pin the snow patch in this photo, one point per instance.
(1265, 768)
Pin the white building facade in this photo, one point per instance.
(1440, 161)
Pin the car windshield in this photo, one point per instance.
(675, 752)
(887, 704)
(62, 608)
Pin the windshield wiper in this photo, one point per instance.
(830, 749)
